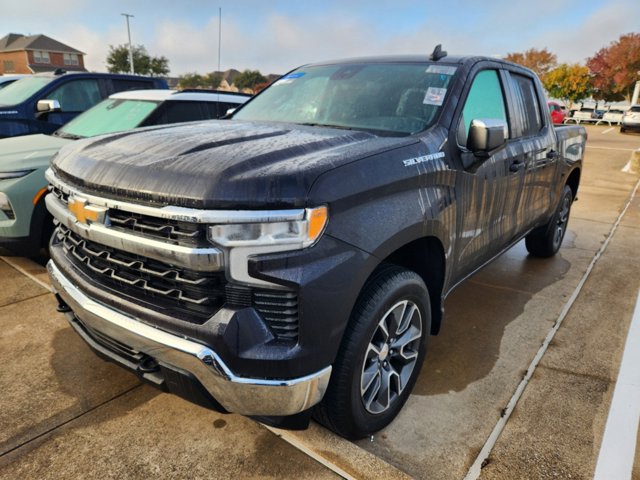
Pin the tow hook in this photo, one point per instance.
(148, 365)
(62, 306)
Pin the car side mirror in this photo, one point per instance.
(485, 135)
(48, 106)
(230, 111)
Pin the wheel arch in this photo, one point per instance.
(426, 257)
(574, 181)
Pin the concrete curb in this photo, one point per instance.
(339, 455)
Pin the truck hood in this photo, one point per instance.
(29, 151)
(215, 164)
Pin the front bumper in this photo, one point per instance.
(246, 396)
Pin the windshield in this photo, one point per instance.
(399, 98)
(18, 91)
(110, 115)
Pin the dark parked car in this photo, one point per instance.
(44, 102)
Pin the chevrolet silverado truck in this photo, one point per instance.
(293, 260)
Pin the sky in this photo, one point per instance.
(277, 36)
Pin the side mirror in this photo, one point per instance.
(230, 111)
(48, 106)
(485, 135)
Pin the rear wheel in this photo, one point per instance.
(545, 241)
(380, 356)
(622, 129)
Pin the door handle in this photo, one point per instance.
(516, 165)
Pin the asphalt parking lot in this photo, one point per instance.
(479, 402)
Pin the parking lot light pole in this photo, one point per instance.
(126, 15)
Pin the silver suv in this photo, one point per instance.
(631, 119)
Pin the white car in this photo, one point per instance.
(9, 79)
(631, 119)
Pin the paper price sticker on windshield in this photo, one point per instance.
(434, 96)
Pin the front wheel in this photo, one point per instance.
(380, 356)
(545, 241)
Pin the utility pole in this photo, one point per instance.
(219, 34)
(126, 15)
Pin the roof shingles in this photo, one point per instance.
(16, 42)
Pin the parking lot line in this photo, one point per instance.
(608, 130)
(613, 148)
(27, 274)
(618, 447)
(476, 467)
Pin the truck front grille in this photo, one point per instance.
(187, 295)
(186, 234)
(194, 296)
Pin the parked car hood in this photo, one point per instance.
(215, 164)
(29, 151)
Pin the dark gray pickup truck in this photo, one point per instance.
(294, 259)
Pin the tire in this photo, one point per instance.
(622, 129)
(545, 241)
(378, 349)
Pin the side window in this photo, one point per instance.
(178, 112)
(485, 100)
(77, 95)
(526, 102)
(121, 85)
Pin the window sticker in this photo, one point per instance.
(287, 79)
(441, 69)
(434, 96)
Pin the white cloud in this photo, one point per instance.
(601, 28)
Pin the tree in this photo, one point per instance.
(615, 68)
(570, 83)
(143, 63)
(249, 79)
(195, 80)
(540, 61)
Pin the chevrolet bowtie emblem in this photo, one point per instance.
(86, 213)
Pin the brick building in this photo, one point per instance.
(37, 53)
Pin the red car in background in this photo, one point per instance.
(557, 112)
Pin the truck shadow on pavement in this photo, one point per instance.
(477, 313)
(89, 379)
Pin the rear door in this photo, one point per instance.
(533, 145)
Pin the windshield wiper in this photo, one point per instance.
(328, 125)
(70, 136)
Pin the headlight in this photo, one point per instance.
(295, 233)
(14, 174)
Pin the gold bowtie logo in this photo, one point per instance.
(86, 213)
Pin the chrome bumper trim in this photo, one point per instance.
(246, 396)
